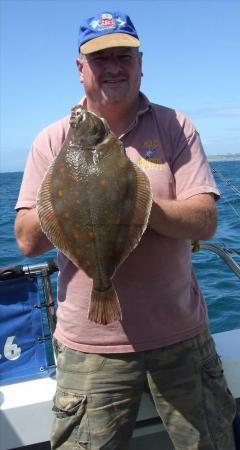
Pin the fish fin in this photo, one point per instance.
(104, 307)
(141, 211)
(143, 199)
(47, 215)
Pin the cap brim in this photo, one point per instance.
(108, 41)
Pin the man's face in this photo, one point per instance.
(112, 75)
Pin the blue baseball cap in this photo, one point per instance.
(106, 30)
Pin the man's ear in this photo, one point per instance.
(79, 62)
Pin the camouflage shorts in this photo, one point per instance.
(98, 396)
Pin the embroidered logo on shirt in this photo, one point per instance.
(150, 153)
(149, 162)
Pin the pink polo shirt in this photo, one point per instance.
(159, 295)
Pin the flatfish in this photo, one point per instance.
(93, 205)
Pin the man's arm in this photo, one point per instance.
(194, 218)
(29, 235)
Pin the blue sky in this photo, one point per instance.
(191, 63)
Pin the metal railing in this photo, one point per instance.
(225, 254)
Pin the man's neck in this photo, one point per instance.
(119, 117)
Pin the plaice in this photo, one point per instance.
(93, 205)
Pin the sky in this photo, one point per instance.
(191, 62)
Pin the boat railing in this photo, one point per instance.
(225, 253)
(27, 322)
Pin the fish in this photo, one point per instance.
(93, 205)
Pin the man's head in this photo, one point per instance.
(109, 63)
(107, 30)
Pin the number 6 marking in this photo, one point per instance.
(11, 351)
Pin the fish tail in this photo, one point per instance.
(104, 307)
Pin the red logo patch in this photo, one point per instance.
(106, 22)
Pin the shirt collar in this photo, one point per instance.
(144, 103)
(144, 106)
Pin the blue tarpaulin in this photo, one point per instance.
(22, 345)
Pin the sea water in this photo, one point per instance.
(219, 284)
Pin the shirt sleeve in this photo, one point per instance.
(35, 169)
(45, 148)
(191, 170)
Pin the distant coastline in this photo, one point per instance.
(211, 158)
(228, 157)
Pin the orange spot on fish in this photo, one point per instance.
(76, 234)
(66, 215)
(91, 234)
(60, 194)
(103, 182)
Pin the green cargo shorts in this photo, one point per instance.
(98, 396)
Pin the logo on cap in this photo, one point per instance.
(107, 22)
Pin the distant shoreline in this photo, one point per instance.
(210, 158)
(235, 157)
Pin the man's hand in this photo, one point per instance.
(194, 218)
(29, 235)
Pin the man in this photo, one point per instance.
(164, 331)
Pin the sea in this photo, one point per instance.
(220, 286)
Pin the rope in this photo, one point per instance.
(229, 185)
(227, 182)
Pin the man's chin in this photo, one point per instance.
(113, 97)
